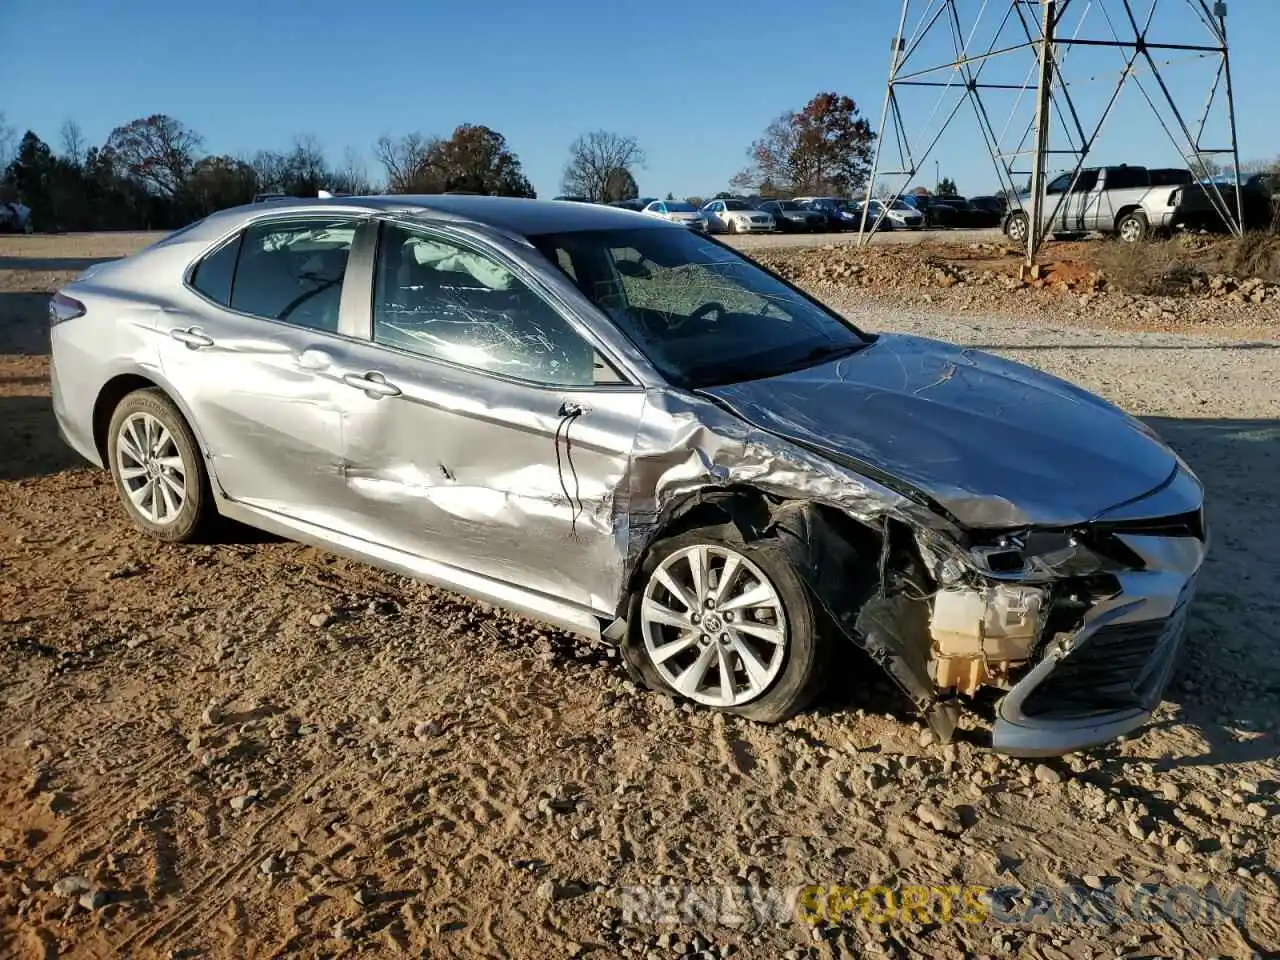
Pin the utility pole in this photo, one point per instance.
(1043, 106)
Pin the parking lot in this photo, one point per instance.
(259, 749)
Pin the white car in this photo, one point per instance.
(677, 211)
(736, 216)
(898, 213)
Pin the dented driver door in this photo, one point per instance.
(481, 428)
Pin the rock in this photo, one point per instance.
(1257, 810)
(211, 716)
(321, 619)
(71, 886)
(1092, 881)
(553, 891)
(1137, 828)
(943, 819)
(1170, 791)
(426, 730)
(95, 900)
(1047, 775)
(1184, 845)
(243, 801)
(270, 865)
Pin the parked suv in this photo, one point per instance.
(1122, 200)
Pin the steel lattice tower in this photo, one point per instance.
(1040, 40)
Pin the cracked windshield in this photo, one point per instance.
(701, 313)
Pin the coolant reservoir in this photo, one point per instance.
(998, 622)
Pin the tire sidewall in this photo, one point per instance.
(795, 685)
(195, 481)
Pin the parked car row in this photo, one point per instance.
(755, 214)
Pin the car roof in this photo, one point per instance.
(512, 214)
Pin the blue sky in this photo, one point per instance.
(695, 82)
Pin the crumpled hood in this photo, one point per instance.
(996, 443)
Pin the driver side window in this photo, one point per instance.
(448, 302)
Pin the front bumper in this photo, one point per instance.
(1106, 679)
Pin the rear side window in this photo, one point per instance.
(282, 270)
(1124, 178)
(213, 275)
(292, 271)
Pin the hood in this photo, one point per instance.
(996, 443)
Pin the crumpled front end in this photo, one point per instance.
(1105, 678)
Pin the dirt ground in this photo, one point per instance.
(254, 749)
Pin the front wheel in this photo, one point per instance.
(1016, 227)
(727, 624)
(733, 226)
(155, 461)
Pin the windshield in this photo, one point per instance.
(789, 205)
(701, 313)
(675, 206)
(899, 205)
(736, 205)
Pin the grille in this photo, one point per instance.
(1103, 675)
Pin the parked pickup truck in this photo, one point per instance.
(1129, 202)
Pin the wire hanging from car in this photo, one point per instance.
(569, 412)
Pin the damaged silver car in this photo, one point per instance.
(622, 427)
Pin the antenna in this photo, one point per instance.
(956, 46)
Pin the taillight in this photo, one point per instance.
(63, 308)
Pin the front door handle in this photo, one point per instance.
(373, 384)
(193, 337)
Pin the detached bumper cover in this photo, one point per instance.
(1107, 678)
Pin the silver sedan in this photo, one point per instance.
(624, 428)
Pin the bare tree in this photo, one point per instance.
(353, 176)
(156, 151)
(594, 157)
(74, 144)
(405, 161)
(269, 170)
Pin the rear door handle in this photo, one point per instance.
(373, 384)
(193, 337)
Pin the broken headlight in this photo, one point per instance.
(1050, 554)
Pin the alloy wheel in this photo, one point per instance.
(151, 468)
(714, 626)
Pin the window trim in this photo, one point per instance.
(360, 220)
(446, 233)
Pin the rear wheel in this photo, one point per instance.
(727, 624)
(156, 464)
(1133, 227)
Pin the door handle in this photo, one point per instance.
(373, 384)
(192, 337)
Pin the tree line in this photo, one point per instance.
(154, 173)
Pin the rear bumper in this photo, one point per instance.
(1107, 678)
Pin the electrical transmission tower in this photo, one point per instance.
(979, 51)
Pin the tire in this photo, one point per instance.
(1133, 227)
(1016, 227)
(149, 434)
(786, 674)
(733, 226)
